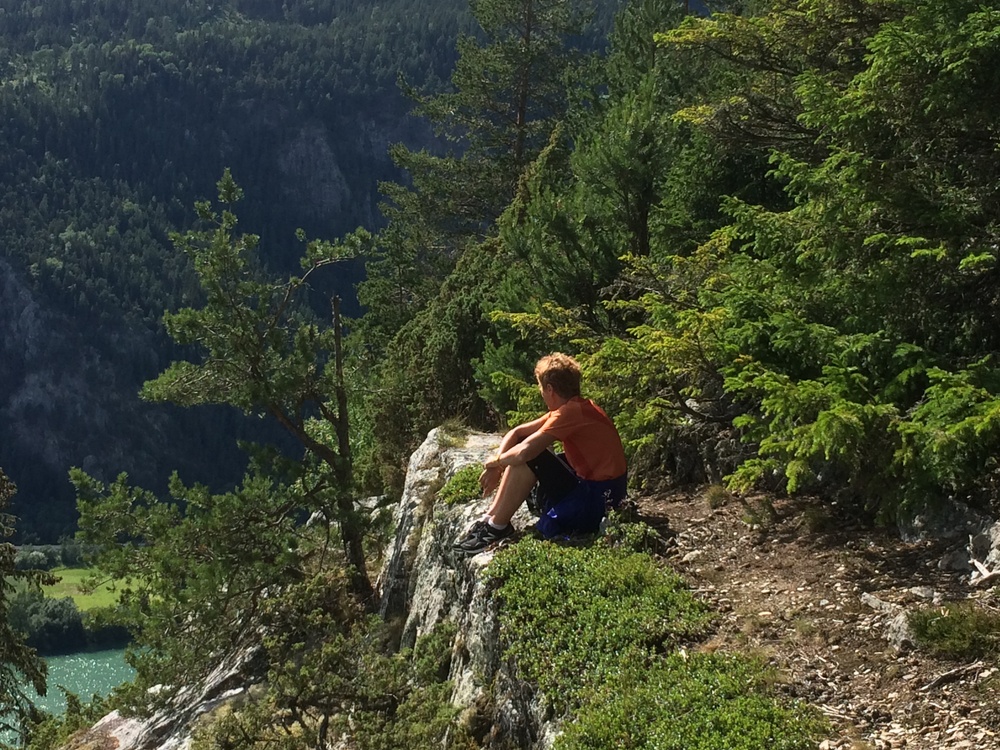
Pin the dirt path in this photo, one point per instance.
(818, 599)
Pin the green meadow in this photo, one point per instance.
(73, 582)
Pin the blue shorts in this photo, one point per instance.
(569, 504)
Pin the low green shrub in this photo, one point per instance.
(333, 679)
(960, 630)
(602, 632)
(55, 625)
(36, 557)
(50, 626)
(453, 434)
(572, 611)
(51, 732)
(705, 702)
(103, 629)
(463, 487)
(717, 496)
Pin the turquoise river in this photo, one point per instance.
(84, 674)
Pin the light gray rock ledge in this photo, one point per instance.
(423, 584)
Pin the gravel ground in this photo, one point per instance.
(825, 602)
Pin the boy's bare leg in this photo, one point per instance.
(515, 486)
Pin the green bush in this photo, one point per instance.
(463, 487)
(333, 678)
(51, 626)
(55, 625)
(33, 558)
(49, 732)
(705, 702)
(569, 612)
(72, 553)
(602, 632)
(960, 630)
(103, 631)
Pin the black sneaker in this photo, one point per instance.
(481, 536)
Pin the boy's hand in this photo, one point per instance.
(489, 480)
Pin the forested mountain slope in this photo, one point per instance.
(115, 117)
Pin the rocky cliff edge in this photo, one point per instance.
(423, 583)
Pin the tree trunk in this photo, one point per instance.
(351, 529)
(523, 90)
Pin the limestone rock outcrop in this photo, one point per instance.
(423, 583)
(173, 727)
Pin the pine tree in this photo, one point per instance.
(264, 354)
(509, 89)
(20, 666)
(200, 571)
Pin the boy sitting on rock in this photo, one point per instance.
(579, 489)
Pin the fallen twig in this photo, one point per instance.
(952, 675)
(985, 574)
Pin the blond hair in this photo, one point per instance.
(560, 371)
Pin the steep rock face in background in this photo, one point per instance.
(311, 176)
(326, 174)
(320, 175)
(423, 583)
(63, 403)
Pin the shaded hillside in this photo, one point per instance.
(114, 120)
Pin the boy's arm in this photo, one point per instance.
(515, 438)
(523, 451)
(521, 432)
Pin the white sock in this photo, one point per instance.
(493, 525)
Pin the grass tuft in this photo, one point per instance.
(463, 487)
(453, 434)
(716, 496)
(960, 630)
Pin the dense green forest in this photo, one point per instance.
(769, 235)
(115, 117)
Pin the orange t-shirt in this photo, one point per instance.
(593, 446)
